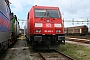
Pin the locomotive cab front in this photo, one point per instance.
(46, 26)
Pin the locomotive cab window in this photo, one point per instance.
(28, 16)
(40, 13)
(53, 13)
(47, 13)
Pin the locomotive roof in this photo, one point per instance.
(46, 7)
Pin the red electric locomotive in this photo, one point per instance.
(45, 28)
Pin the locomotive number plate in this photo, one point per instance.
(48, 30)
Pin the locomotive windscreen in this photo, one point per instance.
(47, 13)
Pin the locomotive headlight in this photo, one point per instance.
(57, 25)
(38, 31)
(47, 20)
(38, 25)
(58, 31)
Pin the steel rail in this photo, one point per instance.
(64, 55)
(42, 56)
(78, 40)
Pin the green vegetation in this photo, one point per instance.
(77, 52)
(22, 38)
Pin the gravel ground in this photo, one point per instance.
(21, 51)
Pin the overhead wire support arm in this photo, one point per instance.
(74, 21)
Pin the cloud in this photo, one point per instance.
(69, 8)
(17, 6)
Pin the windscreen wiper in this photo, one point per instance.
(50, 15)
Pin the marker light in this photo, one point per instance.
(57, 25)
(38, 25)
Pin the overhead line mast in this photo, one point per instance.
(78, 21)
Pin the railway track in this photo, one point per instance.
(55, 55)
(78, 40)
(80, 37)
